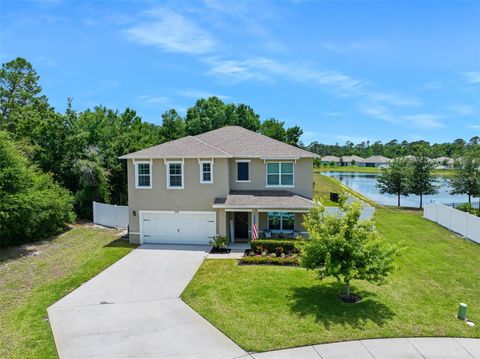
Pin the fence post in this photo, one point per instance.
(116, 216)
(93, 212)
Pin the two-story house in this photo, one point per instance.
(222, 182)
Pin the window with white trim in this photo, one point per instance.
(206, 172)
(281, 221)
(175, 175)
(280, 174)
(143, 174)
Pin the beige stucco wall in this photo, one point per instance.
(303, 177)
(195, 196)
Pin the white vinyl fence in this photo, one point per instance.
(457, 221)
(110, 215)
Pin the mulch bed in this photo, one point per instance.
(220, 250)
(353, 298)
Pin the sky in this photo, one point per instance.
(341, 70)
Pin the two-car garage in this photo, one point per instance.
(177, 227)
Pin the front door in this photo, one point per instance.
(241, 225)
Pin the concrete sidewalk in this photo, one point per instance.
(401, 348)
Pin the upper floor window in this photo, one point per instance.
(243, 171)
(175, 175)
(280, 174)
(143, 174)
(206, 172)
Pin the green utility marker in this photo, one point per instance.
(462, 311)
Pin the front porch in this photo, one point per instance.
(275, 214)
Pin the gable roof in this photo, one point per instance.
(330, 159)
(352, 158)
(226, 142)
(377, 159)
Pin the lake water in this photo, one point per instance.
(366, 184)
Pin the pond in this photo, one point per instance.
(366, 184)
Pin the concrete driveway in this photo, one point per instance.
(133, 310)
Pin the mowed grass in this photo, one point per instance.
(265, 307)
(34, 276)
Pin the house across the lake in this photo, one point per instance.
(351, 161)
(330, 160)
(376, 161)
(230, 182)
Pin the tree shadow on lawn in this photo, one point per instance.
(121, 242)
(322, 302)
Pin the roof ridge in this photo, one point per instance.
(210, 145)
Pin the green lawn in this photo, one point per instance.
(325, 184)
(34, 276)
(266, 307)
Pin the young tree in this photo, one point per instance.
(466, 176)
(421, 180)
(394, 179)
(345, 247)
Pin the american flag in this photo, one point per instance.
(254, 228)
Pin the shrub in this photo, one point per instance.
(219, 241)
(467, 207)
(32, 205)
(285, 261)
(274, 245)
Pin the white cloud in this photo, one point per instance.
(474, 127)
(172, 32)
(264, 69)
(472, 77)
(462, 110)
(380, 113)
(424, 120)
(157, 100)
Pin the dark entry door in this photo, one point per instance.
(241, 225)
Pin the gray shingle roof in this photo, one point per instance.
(263, 200)
(330, 159)
(228, 141)
(377, 159)
(352, 158)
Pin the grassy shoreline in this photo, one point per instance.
(373, 170)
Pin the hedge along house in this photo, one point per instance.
(223, 182)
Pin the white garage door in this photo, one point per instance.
(181, 228)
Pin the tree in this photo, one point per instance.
(394, 179)
(247, 118)
(466, 176)
(292, 137)
(421, 180)
(274, 129)
(173, 126)
(344, 247)
(92, 182)
(32, 205)
(18, 88)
